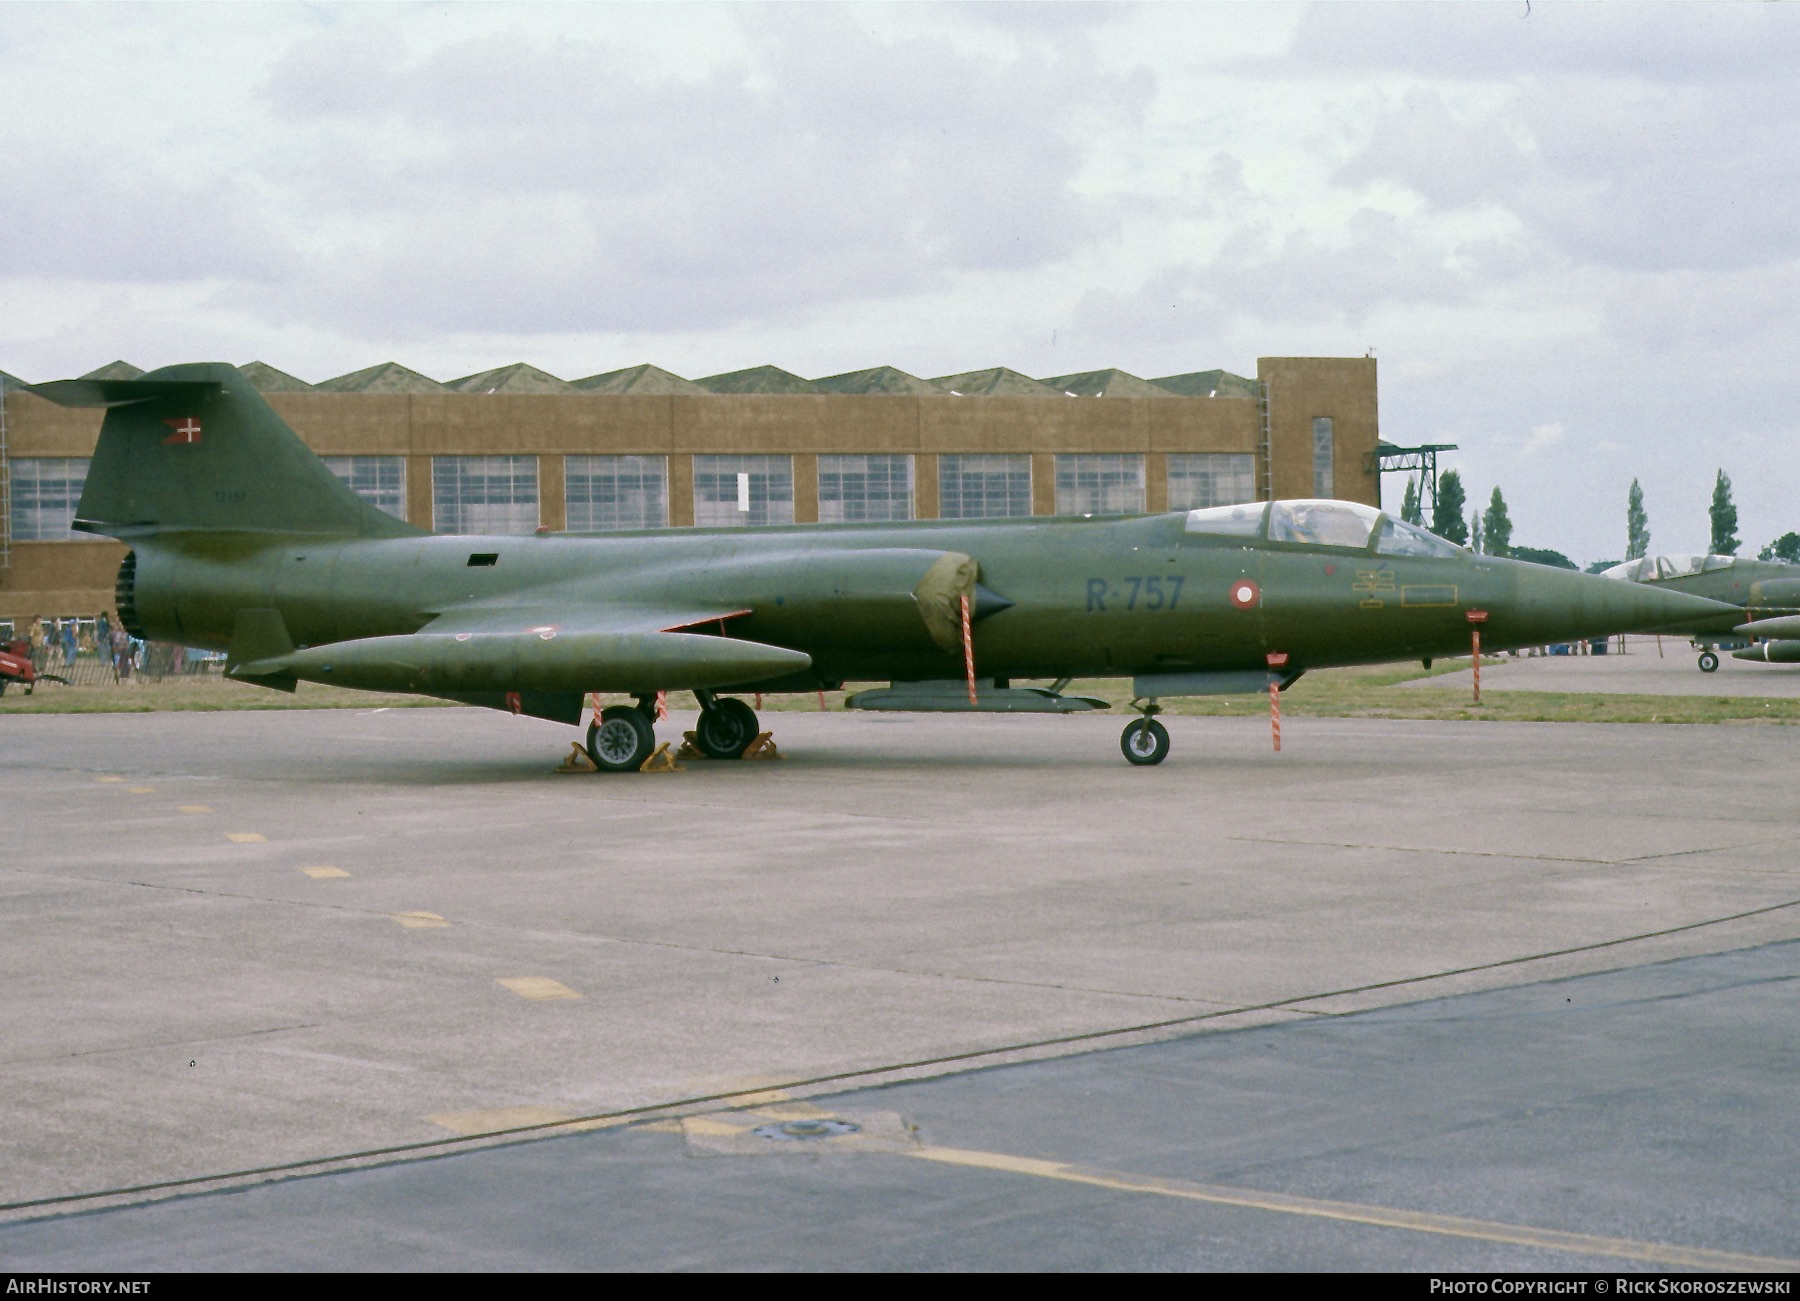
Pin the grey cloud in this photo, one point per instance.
(1631, 177)
(1670, 43)
(517, 187)
(1380, 264)
(97, 218)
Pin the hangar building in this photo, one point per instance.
(514, 449)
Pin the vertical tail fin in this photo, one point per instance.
(197, 447)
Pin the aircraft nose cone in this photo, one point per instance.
(1554, 605)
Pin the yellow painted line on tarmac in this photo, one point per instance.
(713, 1127)
(192, 808)
(141, 790)
(246, 837)
(109, 779)
(497, 1118)
(419, 921)
(1387, 1217)
(324, 873)
(536, 987)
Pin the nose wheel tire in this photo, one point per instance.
(1709, 663)
(1145, 741)
(620, 739)
(726, 729)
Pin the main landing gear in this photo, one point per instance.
(727, 726)
(621, 738)
(1145, 741)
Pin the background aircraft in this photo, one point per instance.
(1759, 587)
(243, 540)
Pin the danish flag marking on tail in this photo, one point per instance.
(187, 430)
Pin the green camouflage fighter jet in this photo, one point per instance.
(242, 540)
(1765, 590)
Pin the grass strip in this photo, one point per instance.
(1366, 692)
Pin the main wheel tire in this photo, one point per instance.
(1709, 663)
(1145, 741)
(726, 729)
(620, 739)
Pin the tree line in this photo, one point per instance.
(1490, 531)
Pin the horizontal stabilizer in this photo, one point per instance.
(120, 392)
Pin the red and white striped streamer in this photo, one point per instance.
(968, 651)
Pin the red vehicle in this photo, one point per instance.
(16, 666)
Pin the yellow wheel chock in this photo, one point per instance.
(661, 760)
(577, 760)
(763, 747)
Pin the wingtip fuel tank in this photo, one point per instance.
(545, 661)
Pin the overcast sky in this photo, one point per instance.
(1567, 231)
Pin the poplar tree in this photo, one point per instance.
(1447, 512)
(1637, 524)
(1475, 538)
(1409, 504)
(1725, 540)
(1496, 526)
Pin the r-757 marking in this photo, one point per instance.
(1159, 592)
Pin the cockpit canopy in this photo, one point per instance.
(1320, 523)
(1654, 569)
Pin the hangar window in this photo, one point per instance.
(984, 486)
(1398, 538)
(1100, 484)
(378, 480)
(1324, 482)
(45, 492)
(857, 488)
(1201, 479)
(615, 492)
(484, 494)
(1322, 523)
(732, 490)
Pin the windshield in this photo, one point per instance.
(1398, 538)
(1243, 521)
(1322, 523)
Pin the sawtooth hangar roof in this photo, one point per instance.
(996, 381)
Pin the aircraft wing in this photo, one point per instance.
(537, 616)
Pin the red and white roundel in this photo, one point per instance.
(1245, 593)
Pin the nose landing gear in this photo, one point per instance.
(1709, 663)
(1145, 741)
